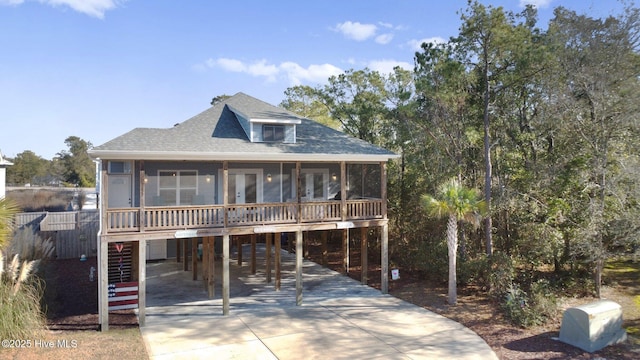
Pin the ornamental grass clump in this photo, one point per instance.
(21, 316)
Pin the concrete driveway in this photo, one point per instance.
(339, 319)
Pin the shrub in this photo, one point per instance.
(501, 275)
(20, 294)
(533, 308)
(474, 270)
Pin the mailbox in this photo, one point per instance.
(593, 326)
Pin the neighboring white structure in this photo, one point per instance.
(3, 175)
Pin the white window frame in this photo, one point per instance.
(178, 188)
(309, 171)
(127, 167)
(259, 182)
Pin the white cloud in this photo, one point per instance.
(356, 30)
(536, 3)
(313, 73)
(95, 8)
(291, 71)
(386, 66)
(228, 64)
(384, 39)
(415, 44)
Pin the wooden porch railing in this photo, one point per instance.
(207, 216)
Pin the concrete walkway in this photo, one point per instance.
(339, 319)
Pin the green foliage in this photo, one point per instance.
(8, 209)
(475, 270)
(502, 274)
(28, 168)
(79, 169)
(532, 308)
(20, 294)
(20, 291)
(542, 121)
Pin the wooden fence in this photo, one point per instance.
(74, 233)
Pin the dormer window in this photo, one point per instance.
(273, 133)
(266, 125)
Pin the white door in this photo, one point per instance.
(119, 191)
(314, 184)
(156, 249)
(245, 186)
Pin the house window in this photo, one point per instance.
(119, 167)
(178, 187)
(273, 132)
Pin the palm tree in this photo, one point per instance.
(8, 209)
(456, 203)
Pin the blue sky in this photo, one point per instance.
(99, 68)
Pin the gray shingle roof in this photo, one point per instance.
(216, 134)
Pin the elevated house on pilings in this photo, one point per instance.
(240, 168)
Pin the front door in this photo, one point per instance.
(119, 191)
(314, 183)
(245, 186)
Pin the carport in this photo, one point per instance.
(340, 318)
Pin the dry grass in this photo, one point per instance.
(33, 200)
(114, 344)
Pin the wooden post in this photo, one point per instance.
(253, 254)
(103, 253)
(225, 192)
(141, 222)
(194, 257)
(278, 242)
(142, 282)
(343, 191)
(225, 274)
(267, 256)
(239, 244)
(384, 282)
(298, 180)
(364, 263)
(211, 273)
(299, 267)
(383, 190)
(205, 261)
(103, 275)
(345, 250)
(325, 251)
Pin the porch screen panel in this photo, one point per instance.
(251, 191)
(188, 185)
(232, 189)
(318, 185)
